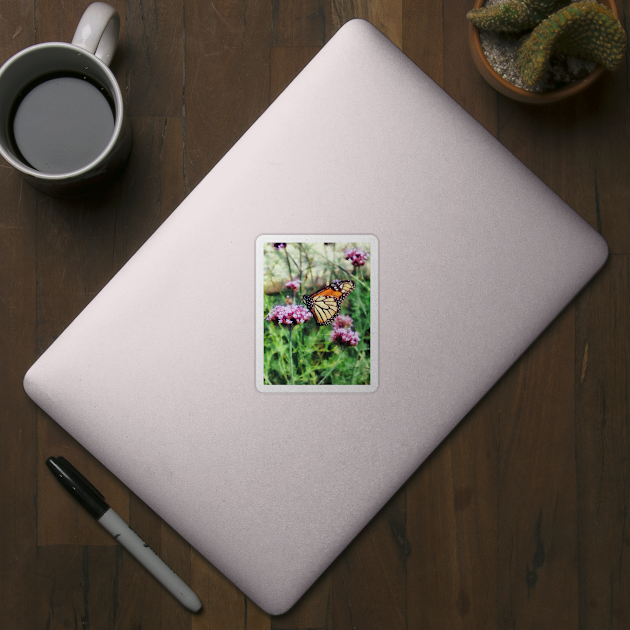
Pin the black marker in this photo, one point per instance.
(94, 502)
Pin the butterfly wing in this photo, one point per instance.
(345, 287)
(325, 309)
(324, 304)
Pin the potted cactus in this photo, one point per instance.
(554, 49)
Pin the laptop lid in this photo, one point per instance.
(246, 428)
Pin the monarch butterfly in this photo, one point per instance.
(325, 303)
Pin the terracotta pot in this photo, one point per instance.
(508, 89)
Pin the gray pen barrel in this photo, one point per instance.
(149, 559)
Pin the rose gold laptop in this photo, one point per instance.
(202, 377)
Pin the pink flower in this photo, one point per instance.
(294, 285)
(344, 336)
(343, 321)
(357, 256)
(278, 245)
(288, 315)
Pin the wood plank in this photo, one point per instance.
(17, 28)
(603, 467)
(558, 148)
(57, 22)
(537, 537)
(226, 78)
(18, 419)
(452, 527)
(423, 36)
(386, 15)
(74, 248)
(18, 415)
(608, 127)
(303, 23)
(369, 587)
(462, 80)
(171, 159)
(224, 606)
(76, 587)
(154, 58)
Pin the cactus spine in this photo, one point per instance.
(513, 16)
(583, 29)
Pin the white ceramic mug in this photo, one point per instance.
(87, 58)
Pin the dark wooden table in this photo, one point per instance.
(518, 520)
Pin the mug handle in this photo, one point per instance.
(98, 30)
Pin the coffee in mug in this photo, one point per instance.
(65, 128)
(62, 122)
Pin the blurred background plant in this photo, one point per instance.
(298, 351)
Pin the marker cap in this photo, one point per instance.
(78, 486)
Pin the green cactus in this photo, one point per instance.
(583, 29)
(513, 16)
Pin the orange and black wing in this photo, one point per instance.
(325, 303)
(344, 286)
(325, 309)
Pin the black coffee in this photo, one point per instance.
(62, 123)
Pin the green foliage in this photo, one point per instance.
(304, 354)
(513, 16)
(583, 29)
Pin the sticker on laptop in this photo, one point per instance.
(316, 313)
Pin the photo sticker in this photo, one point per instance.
(316, 313)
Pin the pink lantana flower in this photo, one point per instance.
(357, 256)
(288, 315)
(344, 336)
(343, 321)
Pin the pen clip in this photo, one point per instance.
(65, 463)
